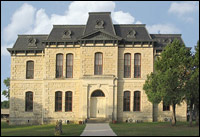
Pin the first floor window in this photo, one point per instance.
(137, 65)
(59, 65)
(127, 65)
(98, 64)
(29, 101)
(68, 101)
(69, 65)
(136, 101)
(166, 107)
(127, 101)
(58, 101)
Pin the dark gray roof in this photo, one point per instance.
(140, 31)
(161, 40)
(22, 42)
(99, 26)
(94, 17)
(57, 32)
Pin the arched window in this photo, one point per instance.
(58, 101)
(59, 65)
(137, 65)
(98, 64)
(127, 65)
(29, 70)
(98, 93)
(69, 65)
(68, 101)
(137, 97)
(127, 101)
(29, 102)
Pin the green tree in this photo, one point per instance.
(5, 104)
(167, 83)
(196, 79)
(6, 93)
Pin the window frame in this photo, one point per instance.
(135, 66)
(135, 104)
(28, 102)
(69, 65)
(57, 70)
(125, 103)
(66, 101)
(58, 101)
(127, 76)
(98, 66)
(28, 70)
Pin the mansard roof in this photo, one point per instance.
(98, 27)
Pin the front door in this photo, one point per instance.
(98, 105)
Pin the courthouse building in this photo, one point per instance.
(79, 72)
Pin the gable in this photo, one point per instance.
(100, 35)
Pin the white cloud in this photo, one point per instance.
(123, 18)
(4, 50)
(184, 10)
(21, 22)
(163, 29)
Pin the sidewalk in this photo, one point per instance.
(98, 129)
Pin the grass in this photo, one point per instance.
(154, 129)
(40, 130)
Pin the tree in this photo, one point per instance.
(6, 93)
(5, 104)
(167, 83)
(196, 79)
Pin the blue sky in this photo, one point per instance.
(31, 17)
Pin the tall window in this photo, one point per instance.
(29, 102)
(137, 97)
(127, 65)
(59, 65)
(127, 101)
(69, 65)
(166, 107)
(137, 65)
(29, 69)
(58, 101)
(68, 101)
(98, 64)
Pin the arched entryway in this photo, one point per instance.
(98, 104)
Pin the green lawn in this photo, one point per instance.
(40, 130)
(154, 129)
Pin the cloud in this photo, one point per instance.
(163, 29)
(123, 18)
(21, 21)
(4, 51)
(184, 10)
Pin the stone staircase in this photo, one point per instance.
(98, 120)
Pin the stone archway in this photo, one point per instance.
(98, 104)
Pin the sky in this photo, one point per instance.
(38, 17)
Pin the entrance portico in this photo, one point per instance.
(99, 98)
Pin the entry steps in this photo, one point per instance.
(98, 120)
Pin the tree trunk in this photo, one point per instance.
(174, 115)
(197, 115)
(191, 114)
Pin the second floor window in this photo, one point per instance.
(127, 65)
(137, 65)
(69, 66)
(29, 70)
(59, 65)
(98, 64)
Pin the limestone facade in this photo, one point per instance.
(112, 83)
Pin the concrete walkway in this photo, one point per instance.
(98, 129)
